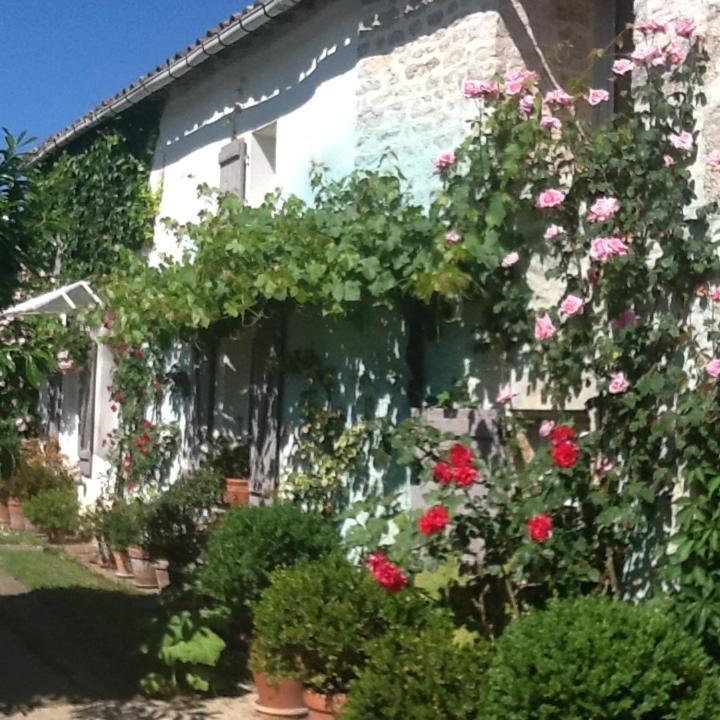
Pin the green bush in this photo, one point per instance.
(435, 673)
(251, 542)
(595, 658)
(177, 523)
(55, 511)
(314, 621)
(121, 525)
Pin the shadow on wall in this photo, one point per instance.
(72, 644)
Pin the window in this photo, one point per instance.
(263, 145)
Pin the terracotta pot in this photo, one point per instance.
(17, 519)
(281, 698)
(237, 491)
(122, 564)
(162, 573)
(323, 707)
(4, 515)
(142, 568)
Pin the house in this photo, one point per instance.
(285, 84)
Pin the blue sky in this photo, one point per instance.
(58, 58)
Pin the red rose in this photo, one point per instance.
(540, 527)
(434, 520)
(386, 572)
(562, 433)
(442, 473)
(565, 454)
(465, 476)
(138, 353)
(460, 456)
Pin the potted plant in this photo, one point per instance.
(178, 522)
(55, 512)
(141, 560)
(119, 526)
(241, 553)
(231, 459)
(313, 623)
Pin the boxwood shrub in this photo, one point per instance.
(430, 674)
(55, 511)
(251, 542)
(595, 658)
(315, 620)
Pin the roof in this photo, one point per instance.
(227, 33)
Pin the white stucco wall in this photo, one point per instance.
(342, 82)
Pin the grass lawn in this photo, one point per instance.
(38, 570)
(79, 622)
(19, 537)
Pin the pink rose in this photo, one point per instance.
(21, 425)
(572, 305)
(518, 80)
(654, 25)
(66, 366)
(510, 259)
(603, 248)
(623, 66)
(625, 319)
(63, 355)
(546, 427)
(603, 209)
(527, 105)
(505, 394)
(713, 161)
(715, 293)
(647, 55)
(618, 383)
(553, 231)
(550, 198)
(444, 161)
(549, 122)
(682, 141)
(669, 160)
(452, 237)
(595, 97)
(558, 98)
(685, 27)
(544, 328)
(486, 89)
(676, 54)
(713, 368)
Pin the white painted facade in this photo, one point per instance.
(337, 83)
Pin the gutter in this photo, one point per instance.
(237, 28)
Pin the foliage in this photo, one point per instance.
(186, 649)
(598, 658)
(15, 237)
(250, 543)
(229, 458)
(431, 673)
(121, 525)
(94, 199)
(40, 467)
(55, 511)
(178, 521)
(315, 619)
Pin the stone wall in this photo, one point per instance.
(414, 57)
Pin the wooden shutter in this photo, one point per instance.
(87, 413)
(232, 168)
(265, 379)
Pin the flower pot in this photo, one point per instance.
(279, 698)
(162, 573)
(123, 568)
(237, 491)
(323, 707)
(142, 568)
(4, 515)
(17, 519)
